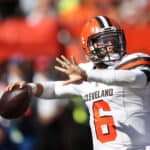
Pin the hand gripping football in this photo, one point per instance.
(13, 104)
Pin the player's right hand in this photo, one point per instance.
(20, 84)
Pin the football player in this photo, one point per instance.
(114, 86)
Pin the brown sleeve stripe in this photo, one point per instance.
(135, 63)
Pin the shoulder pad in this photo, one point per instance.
(135, 60)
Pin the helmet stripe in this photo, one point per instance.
(100, 22)
(104, 21)
(108, 21)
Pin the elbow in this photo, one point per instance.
(132, 78)
(138, 80)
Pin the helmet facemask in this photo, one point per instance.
(107, 46)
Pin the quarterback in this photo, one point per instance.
(114, 86)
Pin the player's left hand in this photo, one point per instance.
(71, 69)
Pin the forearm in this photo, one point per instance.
(131, 78)
(53, 89)
(43, 89)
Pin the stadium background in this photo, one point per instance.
(32, 34)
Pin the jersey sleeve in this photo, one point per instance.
(56, 89)
(132, 71)
(128, 78)
(66, 91)
(139, 61)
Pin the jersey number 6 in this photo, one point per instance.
(104, 124)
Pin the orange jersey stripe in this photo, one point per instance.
(134, 64)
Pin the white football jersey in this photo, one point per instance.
(119, 115)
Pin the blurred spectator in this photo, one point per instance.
(27, 6)
(134, 12)
(24, 132)
(48, 112)
(2, 77)
(22, 129)
(10, 8)
(15, 70)
(72, 21)
(5, 142)
(76, 134)
(37, 10)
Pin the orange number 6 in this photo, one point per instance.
(104, 124)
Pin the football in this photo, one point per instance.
(14, 103)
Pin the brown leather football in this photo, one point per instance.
(13, 104)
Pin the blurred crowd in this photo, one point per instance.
(54, 125)
(46, 125)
